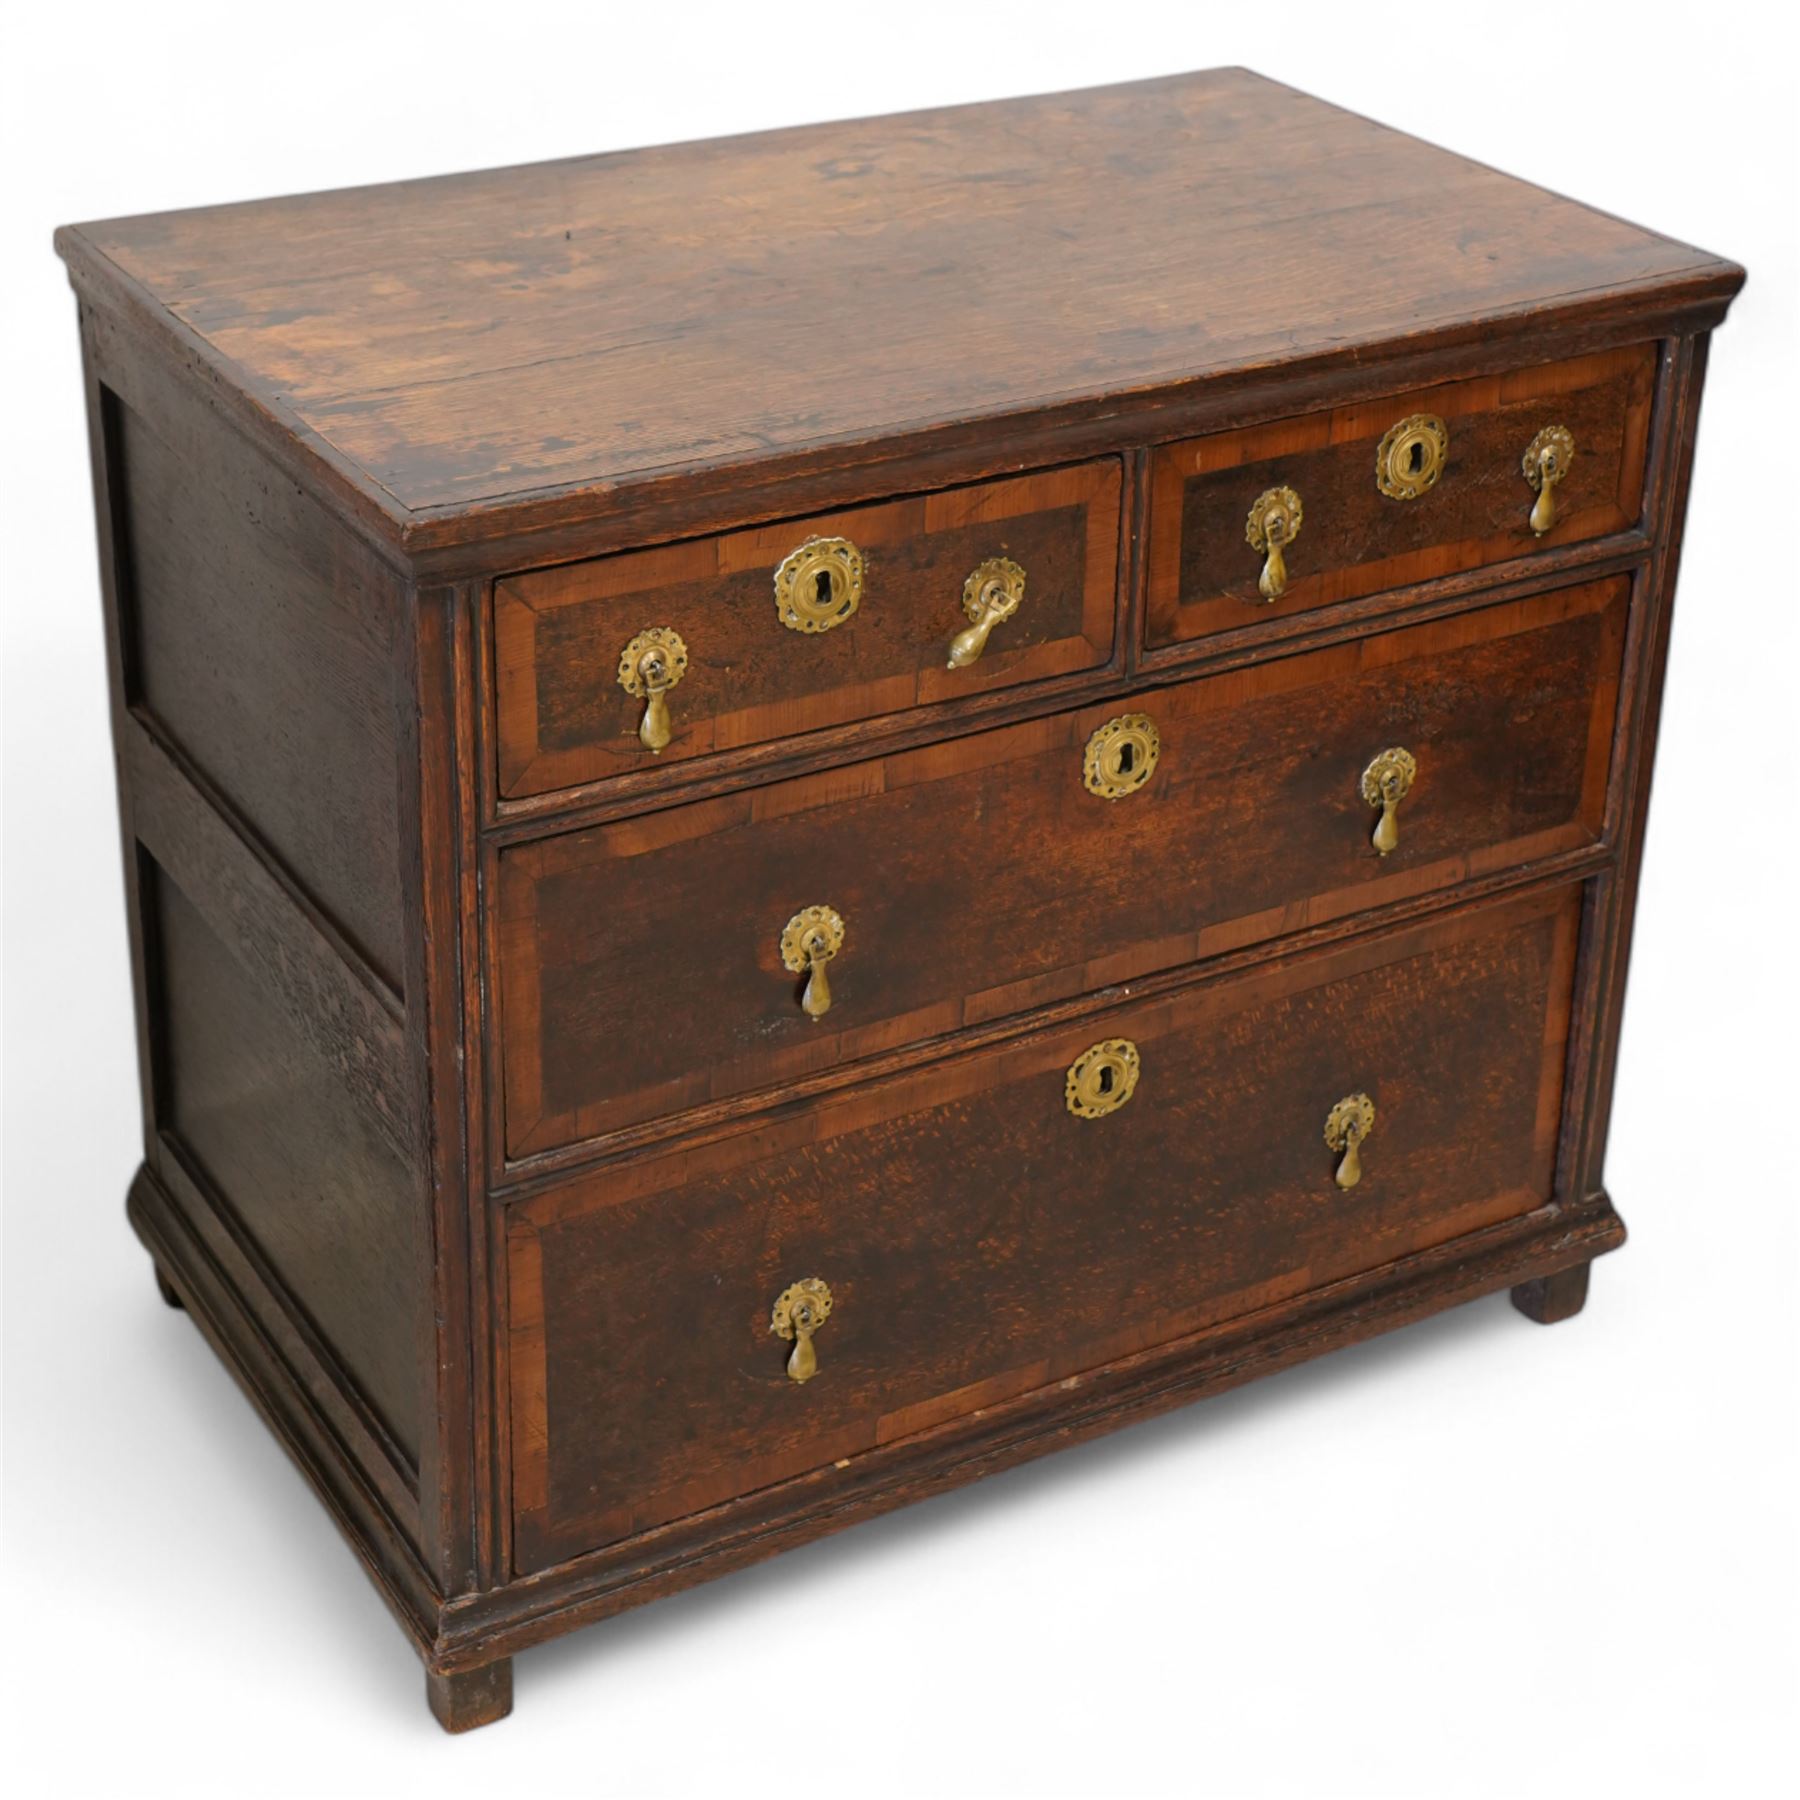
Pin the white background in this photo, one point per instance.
(1476, 1558)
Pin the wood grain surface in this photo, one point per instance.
(979, 1241)
(1354, 539)
(562, 717)
(479, 337)
(640, 968)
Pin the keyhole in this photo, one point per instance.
(1106, 1078)
(1127, 756)
(822, 587)
(1415, 459)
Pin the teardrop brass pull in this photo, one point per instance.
(809, 940)
(799, 1311)
(1274, 522)
(1385, 783)
(1547, 461)
(1346, 1126)
(652, 663)
(991, 595)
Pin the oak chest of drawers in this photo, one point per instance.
(805, 815)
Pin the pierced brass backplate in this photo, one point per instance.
(1274, 522)
(1411, 456)
(1547, 460)
(990, 596)
(799, 1311)
(652, 663)
(1102, 1078)
(1121, 756)
(820, 585)
(809, 940)
(1385, 783)
(1346, 1125)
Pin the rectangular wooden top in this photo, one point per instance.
(484, 341)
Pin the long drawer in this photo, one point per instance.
(1374, 496)
(659, 962)
(947, 1239)
(764, 634)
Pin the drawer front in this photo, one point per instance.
(776, 639)
(642, 962)
(1355, 539)
(978, 1241)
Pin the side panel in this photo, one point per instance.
(271, 1129)
(259, 638)
(261, 702)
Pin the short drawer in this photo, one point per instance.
(1394, 491)
(769, 633)
(654, 964)
(946, 1241)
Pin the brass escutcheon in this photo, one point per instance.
(990, 595)
(1385, 783)
(1121, 756)
(1547, 460)
(1346, 1126)
(809, 940)
(1411, 456)
(1102, 1078)
(799, 1311)
(1273, 524)
(652, 663)
(820, 585)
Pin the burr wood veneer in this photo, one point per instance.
(805, 815)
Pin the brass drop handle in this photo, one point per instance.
(1385, 783)
(652, 663)
(809, 940)
(990, 596)
(1273, 524)
(799, 1311)
(1547, 460)
(1346, 1126)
